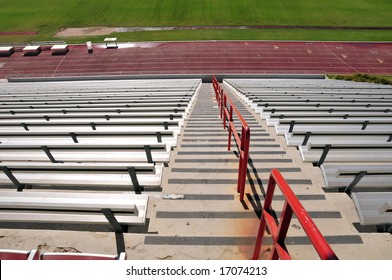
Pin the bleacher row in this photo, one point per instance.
(87, 146)
(345, 128)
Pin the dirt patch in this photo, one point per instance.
(85, 31)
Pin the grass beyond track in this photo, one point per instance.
(47, 16)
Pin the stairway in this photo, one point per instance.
(205, 220)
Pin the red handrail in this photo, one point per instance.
(279, 232)
(243, 141)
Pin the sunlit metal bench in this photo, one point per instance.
(363, 176)
(115, 209)
(47, 137)
(349, 152)
(77, 125)
(283, 126)
(337, 135)
(55, 153)
(81, 176)
(374, 208)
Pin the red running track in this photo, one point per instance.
(205, 57)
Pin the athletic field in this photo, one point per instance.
(31, 20)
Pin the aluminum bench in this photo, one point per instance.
(302, 138)
(136, 152)
(47, 137)
(77, 125)
(91, 176)
(115, 209)
(320, 153)
(361, 176)
(373, 208)
(85, 100)
(313, 124)
(91, 116)
(24, 108)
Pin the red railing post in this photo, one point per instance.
(221, 97)
(243, 142)
(244, 156)
(230, 121)
(278, 233)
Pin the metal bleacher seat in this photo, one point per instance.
(124, 208)
(362, 176)
(81, 176)
(348, 152)
(337, 135)
(77, 150)
(286, 125)
(374, 208)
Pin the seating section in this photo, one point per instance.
(90, 134)
(343, 127)
(97, 140)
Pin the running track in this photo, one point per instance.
(205, 57)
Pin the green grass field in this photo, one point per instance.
(48, 16)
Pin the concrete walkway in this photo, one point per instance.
(209, 222)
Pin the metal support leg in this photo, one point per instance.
(292, 123)
(306, 139)
(49, 154)
(46, 118)
(25, 126)
(159, 137)
(93, 126)
(74, 138)
(147, 149)
(112, 220)
(166, 125)
(135, 182)
(171, 117)
(357, 178)
(324, 155)
(11, 176)
(364, 125)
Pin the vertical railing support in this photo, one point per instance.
(227, 108)
(279, 232)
